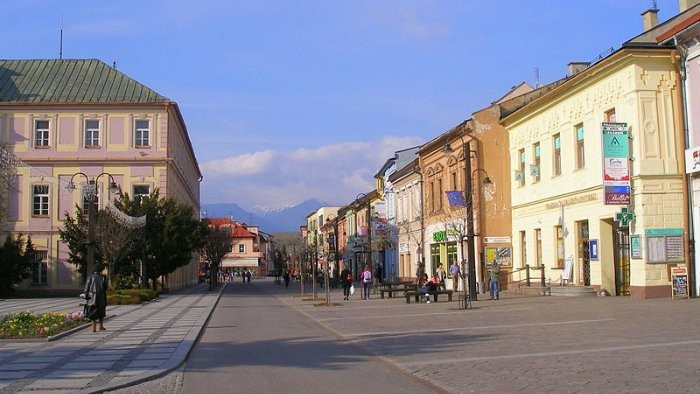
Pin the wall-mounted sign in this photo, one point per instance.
(635, 246)
(496, 240)
(616, 172)
(593, 249)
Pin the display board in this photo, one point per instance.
(679, 282)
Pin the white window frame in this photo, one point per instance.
(42, 134)
(241, 248)
(92, 134)
(40, 275)
(40, 200)
(142, 135)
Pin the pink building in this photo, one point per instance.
(60, 118)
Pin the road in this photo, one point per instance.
(262, 338)
(254, 343)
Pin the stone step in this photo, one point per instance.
(572, 291)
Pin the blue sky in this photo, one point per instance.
(290, 100)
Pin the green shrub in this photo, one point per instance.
(122, 299)
(142, 294)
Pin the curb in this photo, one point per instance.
(178, 358)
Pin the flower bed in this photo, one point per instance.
(27, 325)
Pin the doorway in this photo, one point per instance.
(584, 254)
(622, 260)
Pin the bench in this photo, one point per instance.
(417, 295)
(391, 289)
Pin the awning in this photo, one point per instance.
(240, 262)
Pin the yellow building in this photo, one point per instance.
(568, 188)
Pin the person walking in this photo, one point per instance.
(454, 272)
(95, 294)
(366, 282)
(286, 278)
(494, 281)
(346, 280)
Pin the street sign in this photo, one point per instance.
(624, 217)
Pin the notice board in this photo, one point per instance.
(679, 282)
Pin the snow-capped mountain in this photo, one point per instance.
(271, 220)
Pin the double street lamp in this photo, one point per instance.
(469, 206)
(90, 196)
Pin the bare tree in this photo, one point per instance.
(8, 168)
(217, 243)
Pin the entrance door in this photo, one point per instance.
(583, 254)
(622, 260)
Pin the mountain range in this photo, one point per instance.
(268, 220)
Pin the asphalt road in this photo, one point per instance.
(254, 343)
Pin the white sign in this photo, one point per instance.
(497, 240)
(692, 160)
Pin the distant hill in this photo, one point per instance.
(283, 220)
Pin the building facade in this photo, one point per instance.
(83, 121)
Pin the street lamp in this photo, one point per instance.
(469, 205)
(90, 195)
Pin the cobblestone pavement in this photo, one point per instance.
(141, 343)
(525, 344)
(533, 344)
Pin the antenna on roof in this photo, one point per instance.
(653, 5)
(537, 77)
(60, 48)
(114, 64)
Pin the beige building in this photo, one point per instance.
(570, 219)
(407, 185)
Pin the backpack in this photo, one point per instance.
(367, 276)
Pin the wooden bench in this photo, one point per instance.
(417, 295)
(398, 288)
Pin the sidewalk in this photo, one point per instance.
(141, 343)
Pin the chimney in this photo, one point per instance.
(685, 4)
(650, 19)
(577, 67)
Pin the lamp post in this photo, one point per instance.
(469, 206)
(90, 195)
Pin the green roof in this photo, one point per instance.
(69, 82)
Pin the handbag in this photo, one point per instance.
(352, 289)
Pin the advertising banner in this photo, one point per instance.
(616, 171)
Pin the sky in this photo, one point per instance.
(289, 100)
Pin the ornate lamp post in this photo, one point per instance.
(90, 196)
(469, 206)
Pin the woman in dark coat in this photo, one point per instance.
(96, 297)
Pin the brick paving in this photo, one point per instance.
(523, 344)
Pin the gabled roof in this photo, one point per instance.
(242, 232)
(75, 81)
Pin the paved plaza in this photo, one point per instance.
(533, 344)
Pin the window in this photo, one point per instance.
(417, 204)
(556, 165)
(241, 248)
(40, 274)
(434, 256)
(610, 116)
(41, 133)
(560, 246)
(432, 196)
(40, 206)
(142, 134)
(229, 248)
(140, 191)
(536, 155)
(92, 133)
(580, 151)
(439, 194)
(521, 167)
(523, 249)
(453, 180)
(90, 190)
(538, 245)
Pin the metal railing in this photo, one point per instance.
(529, 279)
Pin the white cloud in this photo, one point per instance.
(334, 173)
